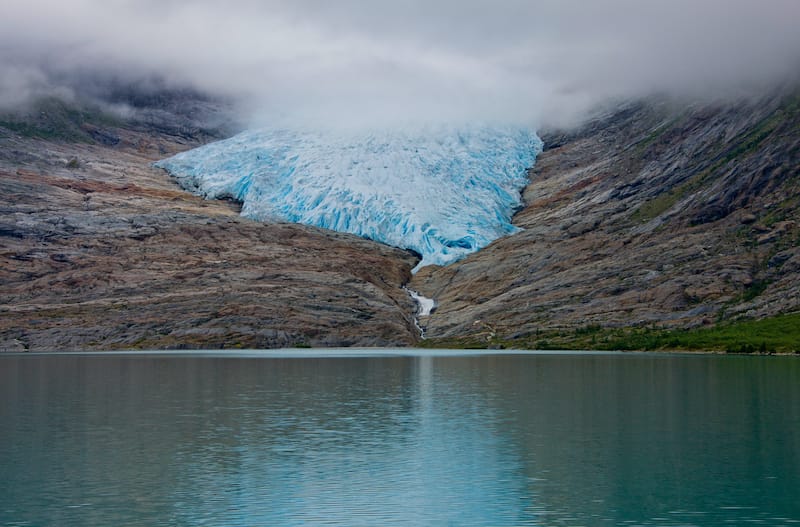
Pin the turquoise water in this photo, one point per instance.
(385, 439)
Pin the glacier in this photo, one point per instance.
(443, 192)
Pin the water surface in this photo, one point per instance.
(397, 439)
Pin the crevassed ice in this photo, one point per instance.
(442, 192)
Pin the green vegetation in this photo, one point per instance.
(779, 334)
(748, 145)
(786, 210)
(754, 290)
(660, 204)
(657, 133)
(54, 119)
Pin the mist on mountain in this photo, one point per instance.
(357, 62)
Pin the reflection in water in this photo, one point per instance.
(495, 440)
(349, 443)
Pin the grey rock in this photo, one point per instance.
(653, 186)
(114, 255)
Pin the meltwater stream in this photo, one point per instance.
(443, 192)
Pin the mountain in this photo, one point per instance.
(656, 214)
(100, 250)
(653, 216)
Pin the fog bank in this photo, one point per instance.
(360, 62)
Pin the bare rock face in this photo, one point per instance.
(98, 250)
(650, 215)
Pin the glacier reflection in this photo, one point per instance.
(364, 443)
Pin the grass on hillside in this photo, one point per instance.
(779, 334)
(53, 119)
(745, 146)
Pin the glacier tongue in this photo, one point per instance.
(443, 192)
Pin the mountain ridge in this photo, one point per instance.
(657, 214)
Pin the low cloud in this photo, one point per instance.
(355, 62)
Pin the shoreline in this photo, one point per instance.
(367, 352)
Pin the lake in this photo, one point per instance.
(372, 438)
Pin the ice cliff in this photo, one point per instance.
(443, 192)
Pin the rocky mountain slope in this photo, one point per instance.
(654, 214)
(99, 250)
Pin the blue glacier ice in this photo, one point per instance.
(443, 192)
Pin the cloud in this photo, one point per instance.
(365, 61)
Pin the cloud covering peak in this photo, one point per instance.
(360, 61)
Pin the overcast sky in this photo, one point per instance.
(372, 60)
